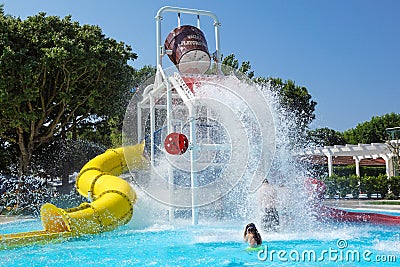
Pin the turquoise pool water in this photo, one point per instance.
(212, 244)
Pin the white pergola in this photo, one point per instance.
(358, 152)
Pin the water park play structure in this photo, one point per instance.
(206, 129)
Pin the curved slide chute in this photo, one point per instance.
(112, 201)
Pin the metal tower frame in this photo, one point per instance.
(163, 86)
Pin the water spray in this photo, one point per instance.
(202, 122)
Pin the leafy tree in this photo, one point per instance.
(293, 98)
(8, 157)
(141, 76)
(372, 131)
(107, 132)
(56, 76)
(393, 143)
(244, 68)
(326, 137)
(49, 163)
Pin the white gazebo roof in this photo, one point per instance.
(373, 150)
(358, 152)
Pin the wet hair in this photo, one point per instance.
(247, 227)
(251, 228)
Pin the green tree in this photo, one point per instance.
(244, 68)
(372, 131)
(141, 76)
(326, 137)
(50, 164)
(57, 75)
(393, 143)
(8, 157)
(293, 98)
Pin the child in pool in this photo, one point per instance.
(252, 236)
(270, 218)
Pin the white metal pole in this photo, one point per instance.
(159, 48)
(357, 166)
(193, 158)
(152, 128)
(170, 168)
(139, 122)
(330, 167)
(217, 41)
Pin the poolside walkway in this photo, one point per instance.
(361, 204)
(12, 218)
(340, 203)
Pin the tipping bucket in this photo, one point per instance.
(189, 50)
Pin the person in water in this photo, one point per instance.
(270, 216)
(252, 236)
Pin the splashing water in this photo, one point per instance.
(260, 142)
(232, 112)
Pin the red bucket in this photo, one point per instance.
(189, 49)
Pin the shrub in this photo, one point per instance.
(390, 196)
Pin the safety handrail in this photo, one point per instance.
(160, 47)
(187, 11)
(160, 76)
(181, 88)
(184, 86)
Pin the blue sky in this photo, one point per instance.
(345, 52)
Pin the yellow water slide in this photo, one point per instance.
(112, 200)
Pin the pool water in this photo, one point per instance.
(212, 244)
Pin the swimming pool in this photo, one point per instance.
(212, 244)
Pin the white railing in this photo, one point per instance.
(181, 87)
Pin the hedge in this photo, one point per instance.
(355, 185)
(350, 170)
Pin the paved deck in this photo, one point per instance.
(12, 218)
(340, 203)
(361, 204)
